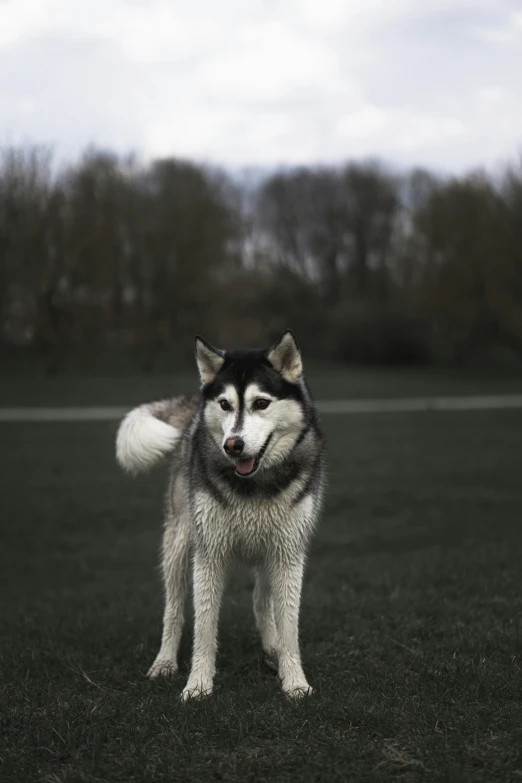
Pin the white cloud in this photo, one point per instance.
(491, 95)
(144, 32)
(266, 81)
(162, 35)
(397, 130)
(509, 30)
(361, 14)
(25, 106)
(515, 21)
(261, 136)
(269, 62)
(17, 17)
(358, 124)
(329, 13)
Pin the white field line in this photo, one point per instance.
(415, 404)
(408, 405)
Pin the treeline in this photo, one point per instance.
(364, 264)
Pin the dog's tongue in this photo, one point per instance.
(245, 466)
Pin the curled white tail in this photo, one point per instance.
(143, 439)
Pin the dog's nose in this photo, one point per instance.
(234, 446)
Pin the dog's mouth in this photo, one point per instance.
(246, 466)
(249, 465)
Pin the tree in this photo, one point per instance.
(467, 288)
(26, 254)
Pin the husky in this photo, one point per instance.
(246, 481)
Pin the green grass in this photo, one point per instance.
(411, 617)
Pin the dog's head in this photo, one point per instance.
(254, 402)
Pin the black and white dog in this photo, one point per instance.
(246, 482)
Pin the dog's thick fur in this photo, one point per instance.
(246, 482)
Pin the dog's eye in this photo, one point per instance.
(261, 404)
(225, 405)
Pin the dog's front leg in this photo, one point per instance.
(285, 582)
(209, 581)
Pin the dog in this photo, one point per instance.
(247, 482)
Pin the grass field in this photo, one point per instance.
(411, 619)
(23, 383)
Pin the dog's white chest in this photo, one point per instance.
(252, 528)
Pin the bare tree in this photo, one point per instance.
(467, 286)
(27, 257)
(148, 254)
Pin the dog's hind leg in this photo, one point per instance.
(176, 545)
(265, 621)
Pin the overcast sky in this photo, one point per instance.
(238, 82)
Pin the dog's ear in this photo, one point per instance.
(209, 360)
(285, 356)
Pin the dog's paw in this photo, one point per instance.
(162, 667)
(297, 690)
(196, 691)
